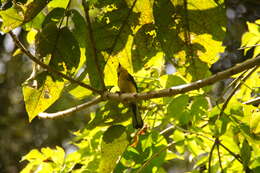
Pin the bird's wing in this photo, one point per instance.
(131, 78)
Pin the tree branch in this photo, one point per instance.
(93, 43)
(180, 89)
(170, 91)
(48, 68)
(70, 110)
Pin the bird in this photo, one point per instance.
(127, 84)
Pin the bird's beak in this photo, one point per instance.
(118, 67)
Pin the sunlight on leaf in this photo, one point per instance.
(114, 143)
(39, 99)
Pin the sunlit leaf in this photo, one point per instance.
(45, 93)
(114, 143)
(21, 13)
(245, 153)
(11, 18)
(177, 106)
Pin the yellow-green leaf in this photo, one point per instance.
(113, 145)
(39, 97)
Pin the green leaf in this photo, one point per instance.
(251, 38)
(253, 28)
(62, 45)
(21, 13)
(112, 112)
(79, 92)
(35, 23)
(33, 155)
(58, 3)
(257, 50)
(47, 160)
(79, 27)
(145, 46)
(53, 16)
(177, 106)
(193, 147)
(256, 169)
(11, 19)
(114, 143)
(46, 40)
(193, 35)
(66, 56)
(178, 136)
(79, 30)
(199, 107)
(235, 108)
(245, 152)
(31, 36)
(47, 91)
(33, 8)
(172, 80)
(255, 122)
(219, 126)
(157, 147)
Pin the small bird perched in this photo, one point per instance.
(127, 84)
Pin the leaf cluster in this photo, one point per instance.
(151, 39)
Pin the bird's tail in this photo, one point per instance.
(136, 119)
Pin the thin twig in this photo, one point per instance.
(235, 89)
(219, 158)
(167, 129)
(70, 110)
(48, 68)
(93, 43)
(232, 83)
(253, 101)
(210, 155)
(249, 46)
(154, 156)
(236, 156)
(185, 131)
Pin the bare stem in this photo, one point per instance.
(71, 110)
(210, 154)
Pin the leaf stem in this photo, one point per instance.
(211, 153)
(236, 156)
(219, 158)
